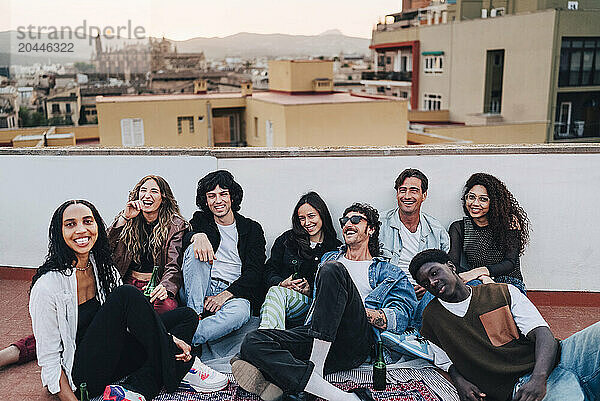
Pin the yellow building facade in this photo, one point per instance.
(298, 110)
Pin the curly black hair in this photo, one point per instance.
(61, 258)
(424, 257)
(224, 179)
(505, 213)
(372, 216)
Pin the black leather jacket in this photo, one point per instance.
(285, 259)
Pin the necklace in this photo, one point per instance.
(82, 269)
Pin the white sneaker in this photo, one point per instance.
(203, 379)
(119, 393)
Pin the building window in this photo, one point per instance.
(55, 108)
(132, 132)
(432, 101)
(256, 127)
(388, 60)
(68, 107)
(579, 62)
(434, 64)
(180, 123)
(577, 115)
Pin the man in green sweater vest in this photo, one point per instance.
(495, 344)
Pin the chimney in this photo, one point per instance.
(246, 88)
(200, 86)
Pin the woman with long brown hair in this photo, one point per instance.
(148, 234)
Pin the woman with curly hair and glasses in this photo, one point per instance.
(148, 234)
(487, 242)
(91, 329)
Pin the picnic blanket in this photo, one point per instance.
(409, 380)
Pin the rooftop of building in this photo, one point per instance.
(313, 98)
(162, 98)
(277, 97)
(559, 268)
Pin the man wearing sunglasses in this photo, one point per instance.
(355, 291)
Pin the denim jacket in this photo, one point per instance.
(392, 292)
(433, 235)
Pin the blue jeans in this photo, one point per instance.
(417, 320)
(197, 285)
(577, 376)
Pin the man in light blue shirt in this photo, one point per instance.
(406, 231)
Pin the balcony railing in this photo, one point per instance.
(387, 76)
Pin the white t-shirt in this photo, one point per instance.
(410, 247)
(526, 316)
(227, 264)
(359, 271)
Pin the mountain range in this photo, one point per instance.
(17, 50)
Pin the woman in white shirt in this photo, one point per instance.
(90, 329)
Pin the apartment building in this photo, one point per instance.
(533, 65)
(300, 109)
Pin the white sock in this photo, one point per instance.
(322, 388)
(317, 385)
(319, 352)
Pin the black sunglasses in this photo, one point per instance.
(354, 219)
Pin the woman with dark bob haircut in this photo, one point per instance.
(488, 241)
(90, 329)
(290, 271)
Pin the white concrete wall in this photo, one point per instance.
(559, 192)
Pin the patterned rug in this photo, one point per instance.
(413, 390)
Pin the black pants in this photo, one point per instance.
(338, 316)
(127, 338)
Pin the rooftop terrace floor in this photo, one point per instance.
(23, 382)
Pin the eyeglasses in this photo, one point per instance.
(354, 219)
(470, 197)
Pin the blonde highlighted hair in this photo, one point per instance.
(134, 236)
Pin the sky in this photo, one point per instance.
(185, 19)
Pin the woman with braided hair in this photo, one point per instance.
(487, 242)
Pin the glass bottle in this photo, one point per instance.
(379, 370)
(152, 283)
(83, 392)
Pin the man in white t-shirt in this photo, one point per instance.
(406, 230)
(224, 260)
(355, 291)
(495, 344)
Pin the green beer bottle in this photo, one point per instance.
(83, 392)
(379, 370)
(152, 283)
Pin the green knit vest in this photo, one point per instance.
(485, 345)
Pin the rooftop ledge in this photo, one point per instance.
(256, 152)
(556, 184)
